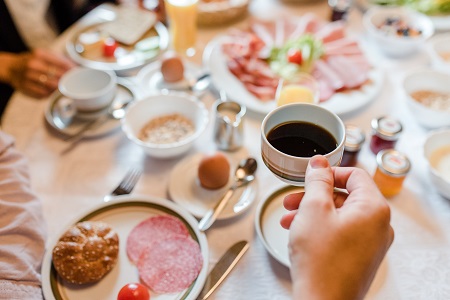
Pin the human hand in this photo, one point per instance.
(336, 240)
(37, 73)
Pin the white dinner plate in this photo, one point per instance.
(123, 214)
(339, 103)
(267, 222)
(185, 189)
(151, 80)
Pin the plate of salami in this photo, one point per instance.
(150, 230)
(240, 64)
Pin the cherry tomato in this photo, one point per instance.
(295, 56)
(133, 291)
(109, 47)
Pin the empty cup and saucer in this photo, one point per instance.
(83, 96)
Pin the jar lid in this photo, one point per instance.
(392, 162)
(354, 138)
(387, 128)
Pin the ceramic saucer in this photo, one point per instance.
(63, 119)
(150, 78)
(185, 189)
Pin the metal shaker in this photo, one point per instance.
(229, 125)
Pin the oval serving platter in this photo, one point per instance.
(122, 214)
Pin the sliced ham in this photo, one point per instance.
(263, 93)
(346, 50)
(322, 70)
(331, 32)
(352, 75)
(171, 265)
(151, 231)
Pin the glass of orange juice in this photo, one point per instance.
(301, 87)
(183, 25)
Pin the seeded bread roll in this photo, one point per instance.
(86, 252)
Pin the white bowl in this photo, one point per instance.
(437, 153)
(427, 80)
(89, 89)
(393, 45)
(438, 46)
(142, 111)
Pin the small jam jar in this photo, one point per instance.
(386, 131)
(339, 9)
(354, 139)
(391, 171)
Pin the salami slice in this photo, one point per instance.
(151, 230)
(171, 265)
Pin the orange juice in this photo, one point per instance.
(183, 25)
(295, 93)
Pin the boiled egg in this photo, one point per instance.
(214, 171)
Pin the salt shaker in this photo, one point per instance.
(229, 125)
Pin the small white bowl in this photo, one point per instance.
(427, 80)
(142, 111)
(437, 153)
(392, 45)
(90, 89)
(438, 46)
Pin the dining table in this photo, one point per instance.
(417, 265)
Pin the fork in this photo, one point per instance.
(126, 185)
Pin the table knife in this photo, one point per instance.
(223, 267)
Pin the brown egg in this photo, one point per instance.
(172, 68)
(214, 171)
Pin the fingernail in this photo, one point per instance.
(318, 162)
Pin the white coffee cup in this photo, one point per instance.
(288, 168)
(90, 89)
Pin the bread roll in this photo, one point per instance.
(86, 252)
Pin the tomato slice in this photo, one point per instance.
(133, 291)
(295, 56)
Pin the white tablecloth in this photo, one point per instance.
(418, 263)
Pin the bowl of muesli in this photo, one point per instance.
(428, 97)
(165, 125)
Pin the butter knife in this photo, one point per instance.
(223, 267)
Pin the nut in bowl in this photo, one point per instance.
(428, 97)
(165, 125)
(398, 31)
(91, 90)
(437, 153)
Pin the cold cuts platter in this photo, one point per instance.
(123, 215)
(244, 64)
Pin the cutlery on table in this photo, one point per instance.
(244, 175)
(116, 111)
(126, 185)
(223, 267)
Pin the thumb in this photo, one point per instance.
(319, 184)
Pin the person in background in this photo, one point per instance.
(337, 241)
(22, 227)
(27, 28)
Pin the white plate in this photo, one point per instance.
(185, 189)
(339, 103)
(267, 222)
(123, 214)
(150, 78)
(67, 127)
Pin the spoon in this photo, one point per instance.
(244, 175)
(116, 111)
(197, 85)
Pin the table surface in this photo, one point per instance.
(416, 267)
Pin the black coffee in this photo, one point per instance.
(301, 139)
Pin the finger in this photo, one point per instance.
(339, 199)
(292, 201)
(55, 59)
(319, 184)
(286, 220)
(356, 181)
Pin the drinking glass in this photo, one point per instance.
(183, 25)
(301, 87)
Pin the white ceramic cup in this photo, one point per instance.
(292, 169)
(91, 90)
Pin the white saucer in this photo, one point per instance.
(185, 190)
(63, 123)
(267, 222)
(150, 78)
